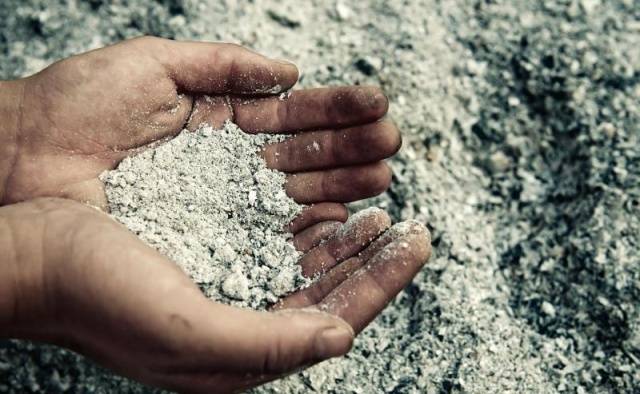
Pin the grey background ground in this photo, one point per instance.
(521, 123)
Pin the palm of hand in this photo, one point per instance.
(82, 115)
(134, 311)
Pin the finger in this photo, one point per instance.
(251, 342)
(219, 68)
(255, 347)
(361, 297)
(328, 282)
(316, 213)
(339, 185)
(182, 330)
(329, 149)
(311, 109)
(355, 235)
(314, 235)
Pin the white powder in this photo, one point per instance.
(207, 200)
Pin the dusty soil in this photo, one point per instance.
(521, 123)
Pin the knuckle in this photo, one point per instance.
(326, 186)
(291, 154)
(335, 148)
(233, 73)
(150, 45)
(315, 213)
(282, 115)
(275, 359)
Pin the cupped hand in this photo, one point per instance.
(87, 283)
(82, 115)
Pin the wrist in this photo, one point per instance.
(24, 307)
(11, 107)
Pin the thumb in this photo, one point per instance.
(274, 343)
(225, 348)
(220, 68)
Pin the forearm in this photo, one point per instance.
(11, 98)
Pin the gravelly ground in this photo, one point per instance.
(521, 123)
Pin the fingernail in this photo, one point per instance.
(333, 342)
(284, 62)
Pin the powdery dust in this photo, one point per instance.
(206, 200)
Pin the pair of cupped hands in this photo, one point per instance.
(71, 276)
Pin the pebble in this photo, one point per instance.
(236, 286)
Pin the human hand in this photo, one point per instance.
(76, 278)
(82, 115)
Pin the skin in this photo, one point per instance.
(71, 276)
(82, 115)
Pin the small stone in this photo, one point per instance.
(513, 101)
(603, 301)
(499, 161)
(574, 66)
(607, 129)
(130, 177)
(285, 19)
(282, 282)
(225, 253)
(547, 265)
(253, 196)
(150, 214)
(589, 6)
(369, 65)
(269, 258)
(263, 176)
(434, 154)
(343, 12)
(548, 309)
(236, 286)
(475, 68)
